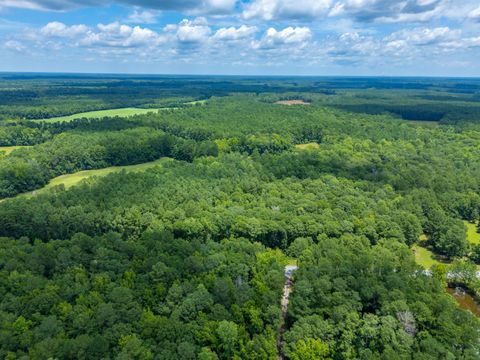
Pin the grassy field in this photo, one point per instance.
(309, 146)
(472, 235)
(8, 149)
(70, 180)
(199, 102)
(424, 257)
(427, 258)
(125, 112)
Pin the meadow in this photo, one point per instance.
(473, 235)
(69, 180)
(427, 258)
(124, 112)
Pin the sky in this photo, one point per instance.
(242, 37)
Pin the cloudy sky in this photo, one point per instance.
(247, 37)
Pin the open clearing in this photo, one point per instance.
(8, 149)
(124, 112)
(309, 146)
(70, 180)
(292, 102)
(196, 102)
(427, 258)
(424, 257)
(472, 235)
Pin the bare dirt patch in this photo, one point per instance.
(292, 102)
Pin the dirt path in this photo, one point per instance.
(287, 289)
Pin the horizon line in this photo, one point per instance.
(80, 73)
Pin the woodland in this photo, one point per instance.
(185, 259)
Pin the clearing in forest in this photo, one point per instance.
(124, 112)
(8, 149)
(70, 180)
(424, 257)
(472, 235)
(427, 258)
(292, 102)
(308, 146)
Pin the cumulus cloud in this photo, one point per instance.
(426, 36)
(387, 11)
(58, 29)
(201, 41)
(113, 35)
(233, 33)
(190, 31)
(273, 39)
(120, 35)
(403, 46)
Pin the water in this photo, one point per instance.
(465, 301)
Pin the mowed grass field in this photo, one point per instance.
(8, 149)
(124, 112)
(472, 235)
(426, 258)
(70, 180)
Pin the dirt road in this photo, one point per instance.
(287, 289)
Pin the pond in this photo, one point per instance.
(465, 300)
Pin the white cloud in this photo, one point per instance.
(143, 16)
(214, 7)
(120, 35)
(198, 41)
(286, 9)
(14, 45)
(58, 29)
(474, 14)
(190, 31)
(233, 33)
(272, 38)
(426, 36)
(401, 47)
(386, 11)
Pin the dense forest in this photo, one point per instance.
(186, 260)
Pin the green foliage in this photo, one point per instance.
(30, 168)
(311, 349)
(348, 298)
(186, 260)
(156, 296)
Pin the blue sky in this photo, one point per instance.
(249, 37)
